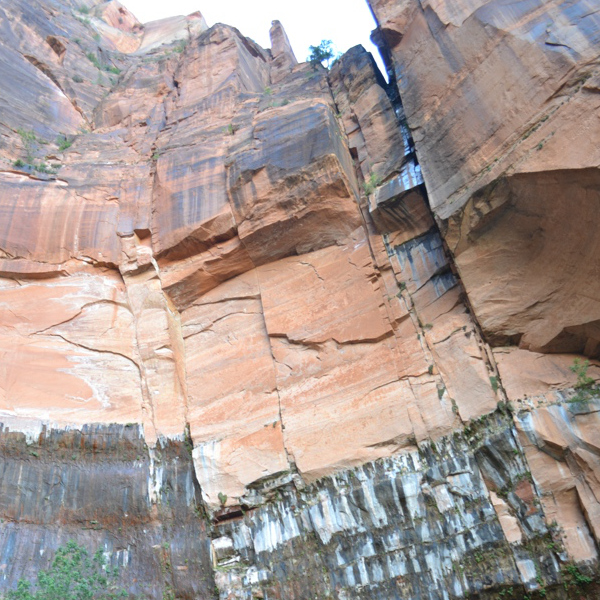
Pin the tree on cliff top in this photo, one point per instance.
(323, 53)
(73, 575)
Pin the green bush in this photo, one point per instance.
(494, 383)
(585, 384)
(584, 381)
(323, 53)
(94, 60)
(573, 576)
(371, 183)
(73, 575)
(63, 142)
(30, 143)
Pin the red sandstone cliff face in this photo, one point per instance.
(503, 106)
(208, 265)
(211, 240)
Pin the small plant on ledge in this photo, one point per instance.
(585, 385)
(371, 183)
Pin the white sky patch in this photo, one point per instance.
(346, 22)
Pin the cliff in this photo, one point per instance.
(272, 331)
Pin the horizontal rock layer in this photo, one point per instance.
(225, 263)
(502, 102)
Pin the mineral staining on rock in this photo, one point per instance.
(261, 320)
(503, 105)
(418, 524)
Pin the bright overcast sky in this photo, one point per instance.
(345, 22)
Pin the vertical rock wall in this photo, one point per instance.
(237, 340)
(498, 104)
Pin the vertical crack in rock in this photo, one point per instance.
(159, 341)
(351, 373)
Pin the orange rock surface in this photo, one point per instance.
(502, 104)
(213, 240)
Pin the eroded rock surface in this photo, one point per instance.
(222, 278)
(503, 106)
(498, 114)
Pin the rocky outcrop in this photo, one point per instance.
(503, 106)
(233, 290)
(497, 114)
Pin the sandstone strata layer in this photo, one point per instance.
(225, 261)
(502, 105)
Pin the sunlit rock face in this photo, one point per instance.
(237, 350)
(503, 104)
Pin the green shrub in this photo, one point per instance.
(94, 60)
(494, 383)
(84, 10)
(573, 576)
(73, 575)
(323, 53)
(27, 136)
(584, 381)
(585, 384)
(371, 183)
(30, 142)
(44, 168)
(77, 78)
(63, 143)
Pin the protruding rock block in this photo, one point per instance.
(233, 402)
(529, 255)
(400, 204)
(172, 29)
(292, 185)
(368, 115)
(284, 59)
(190, 191)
